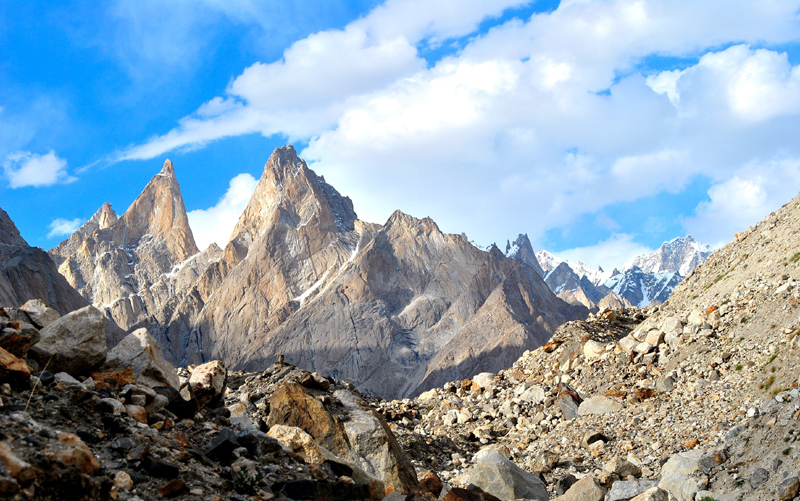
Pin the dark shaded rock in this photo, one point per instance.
(174, 488)
(257, 442)
(458, 494)
(183, 409)
(564, 483)
(45, 377)
(759, 478)
(159, 467)
(122, 445)
(221, 449)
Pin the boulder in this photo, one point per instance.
(430, 482)
(672, 324)
(623, 467)
(13, 369)
(500, 477)
(484, 379)
(652, 494)
(40, 314)
(623, 490)
(599, 405)
(140, 351)
(696, 317)
(208, 381)
(655, 337)
(593, 349)
(677, 475)
(585, 489)
(627, 344)
(534, 394)
(75, 343)
(374, 447)
(291, 405)
(18, 337)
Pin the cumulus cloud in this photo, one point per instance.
(215, 224)
(530, 124)
(611, 253)
(24, 168)
(63, 227)
(751, 193)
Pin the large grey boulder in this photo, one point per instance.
(678, 475)
(140, 351)
(500, 477)
(75, 343)
(374, 447)
(622, 490)
(40, 314)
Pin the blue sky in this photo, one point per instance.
(600, 129)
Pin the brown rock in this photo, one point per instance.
(115, 379)
(173, 488)
(691, 444)
(291, 405)
(13, 369)
(137, 412)
(78, 454)
(22, 471)
(430, 482)
(123, 480)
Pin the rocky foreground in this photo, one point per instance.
(695, 399)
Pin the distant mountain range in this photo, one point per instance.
(646, 279)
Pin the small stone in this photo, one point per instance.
(623, 467)
(652, 494)
(137, 412)
(788, 488)
(691, 444)
(78, 454)
(123, 480)
(759, 478)
(173, 488)
(430, 482)
(22, 471)
(585, 489)
(159, 467)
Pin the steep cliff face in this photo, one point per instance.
(521, 250)
(132, 267)
(393, 308)
(28, 273)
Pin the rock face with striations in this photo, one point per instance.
(135, 267)
(28, 273)
(395, 309)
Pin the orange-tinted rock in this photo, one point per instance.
(457, 494)
(13, 370)
(430, 482)
(78, 454)
(291, 405)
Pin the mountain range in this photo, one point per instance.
(395, 308)
(647, 279)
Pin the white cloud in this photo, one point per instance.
(216, 223)
(24, 168)
(63, 227)
(741, 201)
(611, 253)
(529, 125)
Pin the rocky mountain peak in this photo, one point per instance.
(105, 216)
(679, 255)
(168, 170)
(521, 250)
(159, 211)
(290, 194)
(9, 234)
